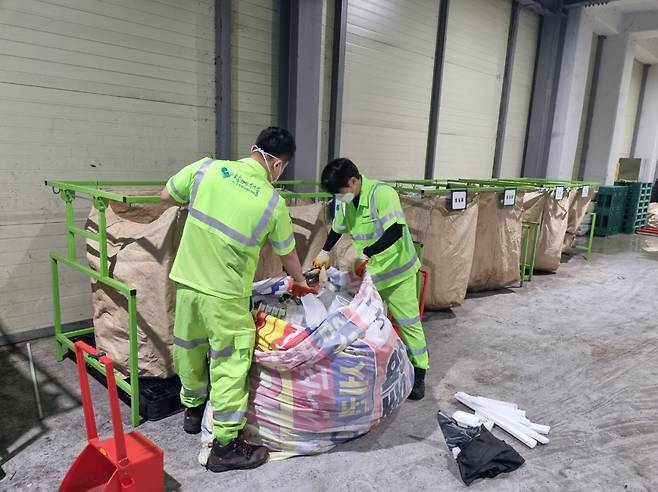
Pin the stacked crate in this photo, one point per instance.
(638, 198)
(610, 210)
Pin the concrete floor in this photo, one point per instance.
(578, 350)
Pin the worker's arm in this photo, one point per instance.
(282, 239)
(167, 198)
(390, 236)
(331, 241)
(293, 267)
(179, 187)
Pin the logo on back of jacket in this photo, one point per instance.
(240, 182)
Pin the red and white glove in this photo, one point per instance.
(300, 289)
(360, 265)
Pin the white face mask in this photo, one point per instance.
(345, 198)
(255, 148)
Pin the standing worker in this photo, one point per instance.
(371, 213)
(233, 209)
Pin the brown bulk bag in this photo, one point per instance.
(309, 226)
(142, 243)
(553, 229)
(449, 241)
(497, 252)
(653, 215)
(577, 210)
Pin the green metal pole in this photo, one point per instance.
(57, 309)
(534, 250)
(591, 237)
(524, 254)
(68, 197)
(101, 206)
(134, 368)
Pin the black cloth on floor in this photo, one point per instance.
(487, 456)
(482, 455)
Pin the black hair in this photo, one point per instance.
(337, 173)
(276, 141)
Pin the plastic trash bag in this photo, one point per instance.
(336, 384)
(478, 452)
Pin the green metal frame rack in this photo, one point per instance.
(68, 190)
(101, 197)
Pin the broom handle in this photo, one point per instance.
(88, 406)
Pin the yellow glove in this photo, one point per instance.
(322, 260)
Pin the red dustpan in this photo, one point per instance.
(123, 462)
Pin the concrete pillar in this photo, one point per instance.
(305, 48)
(646, 144)
(609, 104)
(544, 91)
(570, 95)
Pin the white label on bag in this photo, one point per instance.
(509, 198)
(559, 192)
(585, 192)
(458, 200)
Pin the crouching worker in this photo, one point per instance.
(233, 209)
(371, 213)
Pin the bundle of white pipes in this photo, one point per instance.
(508, 417)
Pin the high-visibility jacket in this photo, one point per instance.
(233, 209)
(378, 208)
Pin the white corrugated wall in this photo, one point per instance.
(630, 110)
(520, 93)
(476, 46)
(118, 89)
(254, 71)
(389, 59)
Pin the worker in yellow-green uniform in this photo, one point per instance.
(371, 213)
(232, 210)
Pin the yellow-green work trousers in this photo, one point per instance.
(213, 344)
(402, 302)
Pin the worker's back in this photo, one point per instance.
(233, 209)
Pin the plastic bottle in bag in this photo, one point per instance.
(314, 311)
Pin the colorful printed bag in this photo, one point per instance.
(336, 384)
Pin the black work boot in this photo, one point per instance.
(236, 455)
(192, 419)
(418, 391)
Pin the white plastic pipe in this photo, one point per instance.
(496, 417)
(466, 419)
(514, 414)
(509, 413)
(542, 429)
(503, 423)
(498, 402)
(503, 408)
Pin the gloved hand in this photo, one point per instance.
(300, 289)
(360, 265)
(322, 260)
